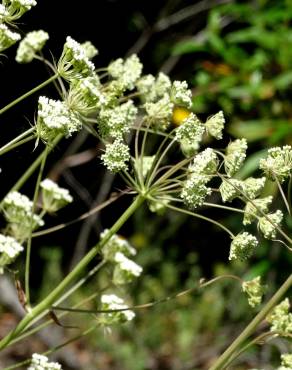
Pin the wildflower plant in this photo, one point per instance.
(123, 110)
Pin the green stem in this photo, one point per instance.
(19, 143)
(223, 359)
(26, 95)
(28, 249)
(7, 146)
(71, 277)
(34, 165)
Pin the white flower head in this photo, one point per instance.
(205, 163)
(230, 189)
(152, 89)
(16, 8)
(254, 290)
(286, 361)
(281, 319)
(17, 209)
(127, 72)
(159, 113)
(40, 362)
(181, 94)
(3, 13)
(190, 131)
(114, 122)
(269, 229)
(113, 302)
(55, 118)
(85, 95)
(74, 63)
(235, 156)
(9, 250)
(89, 49)
(215, 125)
(125, 269)
(116, 156)
(195, 191)
(54, 197)
(7, 37)
(242, 246)
(278, 163)
(114, 245)
(32, 43)
(252, 187)
(252, 209)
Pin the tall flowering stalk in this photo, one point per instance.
(112, 105)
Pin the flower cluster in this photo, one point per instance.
(242, 246)
(268, 225)
(55, 118)
(111, 302)
(74, 62)
(30, 45)
(281, 319)
(235, 156)
(9, 250)
(114, 245)
(17, 209)
(190, 132)
(151, 89)
(116, 156)
(181, 94)
(278, 163)
(249, 188)
(53, 196)
(40, 362)
(16, 8)
(215, 125)
(125, 269)
(126, 72)
(159, 113)
(254, 208)
(7, 37)
(254, 290)
(286, 362)
(117, 121)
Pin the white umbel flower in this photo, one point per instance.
(55, 118)
(117, 121)
(278, 163)
(116, 156)
(40, 362)
(125, 269)
(286, 361)
(215, 125)
(235, 156)
(190, 131)
(280, 319)
(269, 229)
(195, 191)
(54, 197)
(126, 72)
(9, 250)
(205, 163)
(113, 302)
(116, 244)
(16, 8)
(181, 94)
(159, 114)
(7, 37)
(152, 89)
(74, 63)
(254, 290)
(89, 49)
(3, 13)
(242, 246)
(252, 209)
(32, 43)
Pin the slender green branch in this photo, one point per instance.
(224, 358)
(71, 277)
(28, 248)
(5, 148)
(19, 143)
(201, 217)
(26, 95)
(282, 194)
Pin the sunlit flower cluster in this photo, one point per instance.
(40, 362)
(30, 45)
(281, 319)
(112, 302)
(9, 250)
(254, 290)
(242, 246)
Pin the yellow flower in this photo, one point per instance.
(179, 114)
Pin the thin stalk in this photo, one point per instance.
(71, 277)
(224, 358)
(283, 195)
(26, 95)
(28, 248)
(290, 192)
(34, 165)
(19, 143)
(16, 139)
(201, 217)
